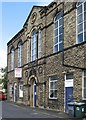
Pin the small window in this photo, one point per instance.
(10, 90)
(58, 33)
(21, 89)
(53, 87)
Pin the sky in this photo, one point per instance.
(13, 15)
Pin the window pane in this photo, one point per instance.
(79, 9)
(51, 85)
(60, 46)
(55, 85)
(56, 24)
(84, 15)
(60, 22)
(84, 6)
(51, 93)
(85, 82)
(56, 32)
(79, 19)
(60, 30)
(80, 28)
(55, 93)
(80, 38)
(56, 48)
(84, 36)
(84, 93)
(53, 78)
(60, 38)
(85, 25)
(84, 73)
(79, 3)
(69, 76)
(56, 40)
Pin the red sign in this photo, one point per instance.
(18, 72)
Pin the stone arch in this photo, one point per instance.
(33, 76)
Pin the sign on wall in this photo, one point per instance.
(18, 72)
(69, 83)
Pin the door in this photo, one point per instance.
(68, 90)
(68, 96)
(34, 95)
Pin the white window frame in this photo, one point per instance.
(83, 86)
(28, 46)
(12, 58)
(10, 90)
(33, 40)
(58, 43)
(80, 23)
(20, 91)
(19, 53)
(52, 89)
(39, 44)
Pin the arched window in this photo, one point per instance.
(58, 30)
(19, 53)
(33, 45)
(12, 58)
(39, 44)
(28, 46)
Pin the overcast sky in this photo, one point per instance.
(12, 18)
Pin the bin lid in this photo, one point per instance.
(71, 103)
(79, 103)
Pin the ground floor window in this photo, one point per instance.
(84, 84)
(10, 90)
(21, 89)
(53, 87)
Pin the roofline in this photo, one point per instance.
(31, 12)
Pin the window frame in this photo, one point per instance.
(52, 89)
(28, 49)
(19, 53)
(55, 36)
(83, 86)
(32, 42)
(10, 90)
(12, 58)
(83, 23)
(20, 85)
(39, 44)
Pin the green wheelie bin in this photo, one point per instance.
(79, 110)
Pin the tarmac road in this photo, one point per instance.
(11, 110)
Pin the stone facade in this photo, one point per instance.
(71, 60)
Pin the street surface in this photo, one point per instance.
(11, 110)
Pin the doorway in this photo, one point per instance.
(33, 92)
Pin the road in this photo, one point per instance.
(10, 110)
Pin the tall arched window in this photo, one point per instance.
(19, 53)
(33, 45)
(28, 46)
(58, 33)
(12, 58)
(39, 44)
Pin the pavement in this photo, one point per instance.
(12, 111)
